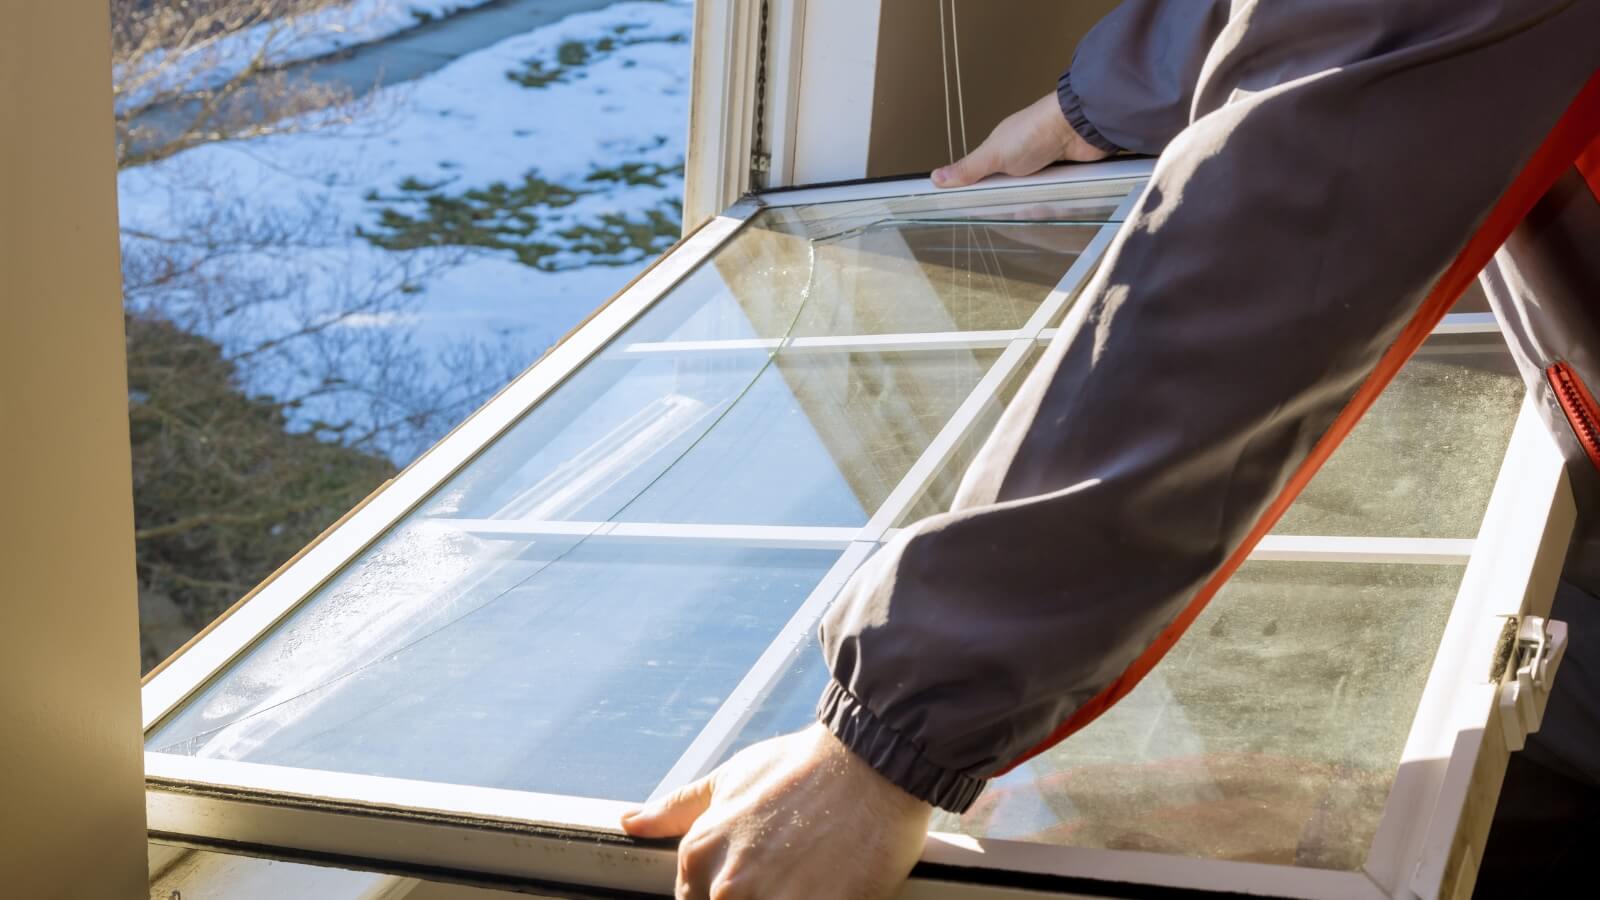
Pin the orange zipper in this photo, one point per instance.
(1579, 406)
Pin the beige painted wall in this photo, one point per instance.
(1012, 51)
(71, 782)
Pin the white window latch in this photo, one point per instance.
(1532, 651)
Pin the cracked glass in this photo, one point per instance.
(570, 609)
(895, 266)
(583, 606)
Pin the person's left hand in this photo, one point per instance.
(794, 818)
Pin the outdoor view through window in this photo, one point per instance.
(345, 223)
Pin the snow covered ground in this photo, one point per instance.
(329, 30)
(467, 127)
(345, 25)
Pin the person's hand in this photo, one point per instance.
(1027, 141)
(794, 818)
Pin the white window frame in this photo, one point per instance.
(568, 843)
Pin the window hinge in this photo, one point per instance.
(1531, 651)
(760, 167)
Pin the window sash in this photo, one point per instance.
(401, 824)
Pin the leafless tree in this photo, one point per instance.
(191, 71)
(267, 395)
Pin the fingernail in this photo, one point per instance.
(940, 176)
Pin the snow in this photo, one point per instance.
(345, 25)
(468, 126)
(328, 30)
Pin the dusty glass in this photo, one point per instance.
(1271, 732)
(791, 703)
(1421, 463)
(898, 266)
(939, 494)
(1424, 459)
(821, 438)
(702, 437)
(561, 665)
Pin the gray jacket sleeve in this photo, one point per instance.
(1131, 84)
(1338, 160)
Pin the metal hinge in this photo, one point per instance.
(760, 157)
(1531, 650)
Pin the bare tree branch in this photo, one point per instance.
(268, 391)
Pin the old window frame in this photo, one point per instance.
(470, 833)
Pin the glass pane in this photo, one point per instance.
(702, 438)
(601, 438)
(1421, 463)
(892, 266)
(581, 663)
(1271, 733)
(792, 705)
(562, 666)
(819, 439)
(940, 493)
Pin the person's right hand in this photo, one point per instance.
(1027, 141)
(799, 817)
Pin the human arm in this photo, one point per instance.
(1289, 236)
(1286, 240)
(1130, 87)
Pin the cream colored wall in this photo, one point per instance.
(1012, 51)
(71, 782)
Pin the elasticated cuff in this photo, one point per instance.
(892, 755)
(1072, 108)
